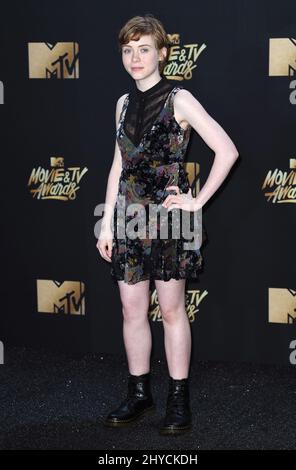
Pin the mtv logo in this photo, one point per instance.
(193, 171)
(57, 162)
(58, 60)
(282, 305)
(282, 57)
(67, 297)
(174, 38)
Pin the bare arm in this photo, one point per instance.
(114, 174)
(189, 109)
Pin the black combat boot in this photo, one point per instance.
(138, 402)
(178, 414)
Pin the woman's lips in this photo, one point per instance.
(137, 68)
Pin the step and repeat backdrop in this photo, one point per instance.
(61, 75)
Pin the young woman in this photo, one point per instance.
(153, 125)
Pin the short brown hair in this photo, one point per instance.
(147, 24)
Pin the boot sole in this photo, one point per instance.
(123, 423)
(174, 430)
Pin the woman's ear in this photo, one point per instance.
(163, 53)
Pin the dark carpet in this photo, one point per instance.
(57, 401)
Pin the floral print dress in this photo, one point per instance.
(147, 169)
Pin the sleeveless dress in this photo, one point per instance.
(146, 169)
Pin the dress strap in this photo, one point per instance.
(172, 95)
(123, 110)
(175, 90)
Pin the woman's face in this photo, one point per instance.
(140, 58)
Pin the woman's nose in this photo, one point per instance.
(135, 57)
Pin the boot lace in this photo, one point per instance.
(176, 401)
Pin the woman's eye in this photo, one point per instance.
(127, 50)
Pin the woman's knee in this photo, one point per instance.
(134, 308)
(135, 300)
(171, 313)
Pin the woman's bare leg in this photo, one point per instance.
(135, 299)
(177, 332)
